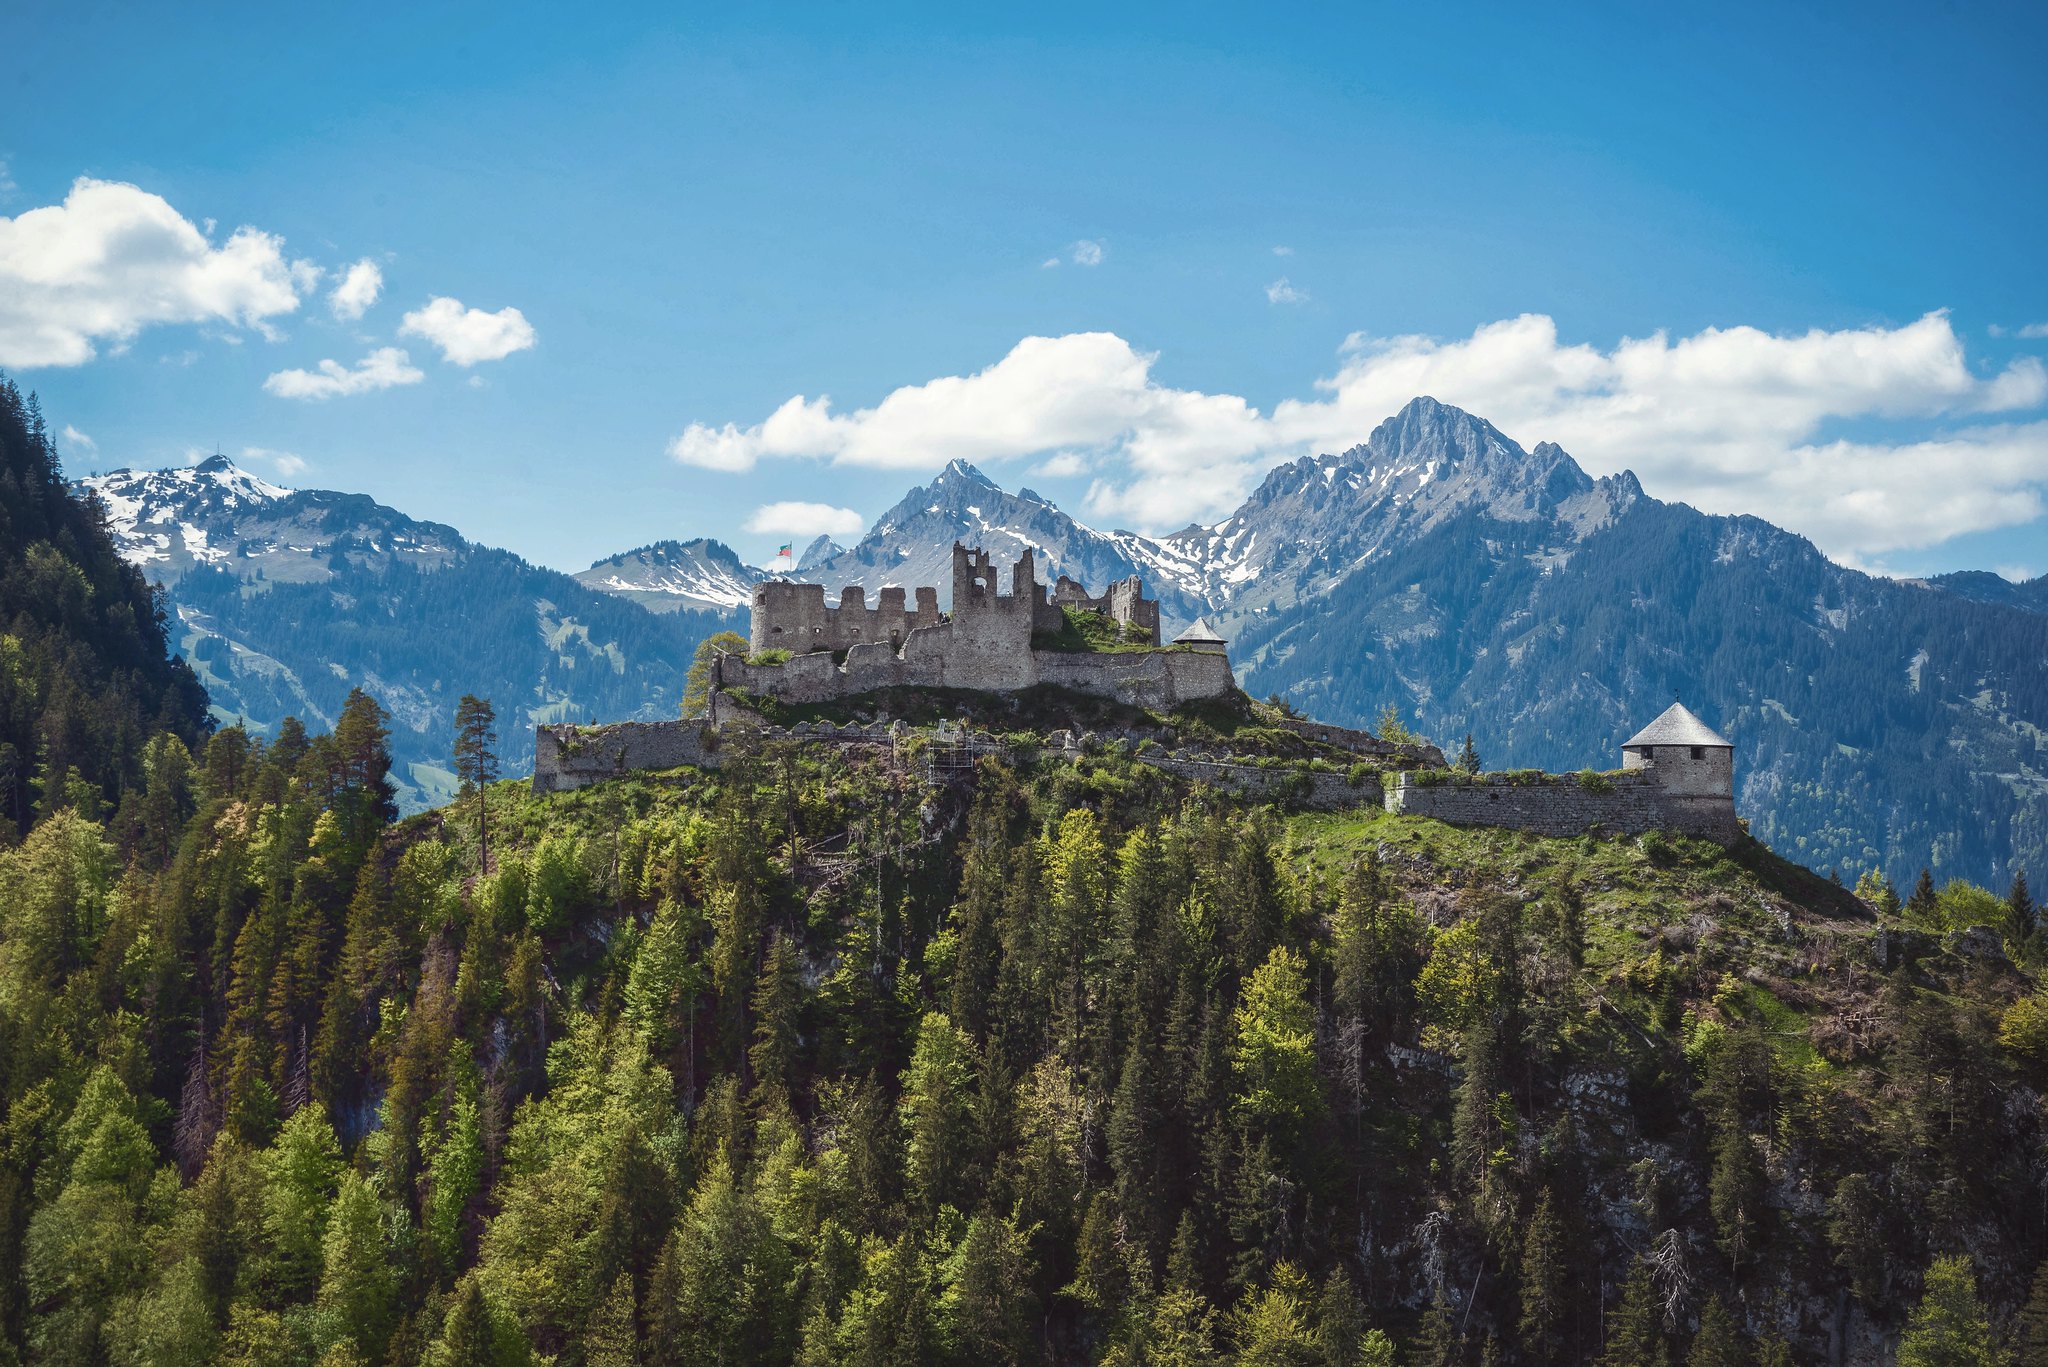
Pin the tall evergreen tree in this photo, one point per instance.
(476, 763)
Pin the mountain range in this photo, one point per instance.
(283, 600)
(1438, 568)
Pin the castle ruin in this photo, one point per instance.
(990, 640)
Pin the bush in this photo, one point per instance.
(1595, 782)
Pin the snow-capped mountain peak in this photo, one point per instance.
(672, 575)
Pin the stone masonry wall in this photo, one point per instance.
(576, 756)
(1560, 805)
(988, 654)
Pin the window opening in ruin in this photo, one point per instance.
(1699, 752)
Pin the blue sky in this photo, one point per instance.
(1822, 227)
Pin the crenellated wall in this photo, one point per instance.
(984, 643)
(1625, 803)
(794, 617)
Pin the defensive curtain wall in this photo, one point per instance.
(985, 643)
(1628, 802)
(568, 756)
(1677, 774)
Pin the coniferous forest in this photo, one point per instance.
(813, 1059)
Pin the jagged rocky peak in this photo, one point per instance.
(959, 472)
(819, 551)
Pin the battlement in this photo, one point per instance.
(796, 618)
(984, 642)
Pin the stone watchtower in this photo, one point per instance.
(1693, 767)
(1687, 757)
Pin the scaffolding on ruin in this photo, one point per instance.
(954, 749)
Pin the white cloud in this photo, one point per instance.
(359, 287)
(467, 336)
(1283, 251)
(1731, 420)
(806, 520)
(1061, 465)
(79, 439)
(1050, 263)
(1087, 253)
(1281, 292)
(2033, 332)
(2017, 574)
(113, 259)
(287, 464)
(383, 368)
(7, 185)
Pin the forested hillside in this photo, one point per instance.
(806, 1060)
(85, 678)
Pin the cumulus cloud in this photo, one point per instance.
(359, 287)
(113, 259)
(1087, 253)
(1281, 292)
(384, 368)
(76, 438)
(2033, 332)
(1868, 439)
(466, 335)
(806, 519)
(286, 463)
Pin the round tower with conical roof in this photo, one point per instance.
(1688, 758)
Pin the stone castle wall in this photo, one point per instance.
(1123, 602)
(1626, 803)
(983, 644)
(576, 756)
(989, 660)
(794, 617)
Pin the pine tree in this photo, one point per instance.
(1736, 1195)
(778, 1000)
(1922, 903)
(2022, 917)
(1468, 756)
(1546, 1285)
(476, 763)
(1719, 1342)
(613, 1339)
(2030, 1336)
(1635, 1336)
(1949, 1328)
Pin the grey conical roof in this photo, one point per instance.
(1677, 726)
(1201, 633)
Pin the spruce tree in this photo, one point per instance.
(1718, 1343)
(2030, 1336)
(476, 763)
(1546, 1287)
(1635, 1336)
(1949, 1328)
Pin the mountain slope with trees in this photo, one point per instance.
(807, 1061)
(85, 674)
(285, 600)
